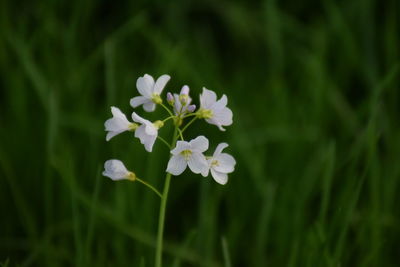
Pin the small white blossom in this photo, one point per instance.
(147, 132)
(182, 102)
(215, 112)
(150, 92)
(117, 124)
(189, 154)
(116, 170)
(220, 164)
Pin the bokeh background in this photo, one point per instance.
(314, 87)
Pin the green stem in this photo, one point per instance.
(165, 142)
(149, 186)
(187, 125)
(166, 119)
(167, 109)
(163, 205)
(190, 115)
(181, 134)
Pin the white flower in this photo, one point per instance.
(150, 92)
(182, 102)
(189, 153)
(220, 164)
(118, 124)
(147, 132)
(116, 170)
(215, 112)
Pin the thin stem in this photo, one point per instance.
(165, 142)
(149, 186)
(163, 205)
(189, 115)
(168, 118)
(167, 109)
(188, 124)
(181, 134)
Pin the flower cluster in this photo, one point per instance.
(183, 153)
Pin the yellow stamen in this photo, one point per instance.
(186, 154)
(214, 163)
(205, 114)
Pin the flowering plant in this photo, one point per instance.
(183, 153)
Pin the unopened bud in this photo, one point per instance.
(170, 99)
(185, 90)
(191, 108)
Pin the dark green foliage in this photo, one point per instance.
(314, 87)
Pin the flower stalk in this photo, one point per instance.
(183, 154)
(163, 206)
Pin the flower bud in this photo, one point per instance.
(170, 99)
(191, 108)
(185, 90)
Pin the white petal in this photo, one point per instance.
(199, 144)
(138, 100)
(220, 104)
(149, 142)
(145, 139)
(137, 118)
(221, 118)
(177, 104)
(226, 163)
(116, 125)
(221, 178)
(111, 135)
(180, 146)
(160, 84)
(116, 112)
(198, 163)
(145, 85)
(207, 98)
(151, 129)
(219, 149)
(115, 169)
(149, 106)
(176, 165)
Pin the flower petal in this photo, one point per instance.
(111, 135)
(149, 106)
(221, 178)
(137, 118)
(138, 100)
(226, 163)
(199, 144)
(145, 139)
(145, 85)
(220, 147)
(176, 165)
(224, 116)
(117, 113)
(198, 163)
(220, 104)
(160, 84)
(115, 169)
(151, 129)
(207, 98)
(180, 146)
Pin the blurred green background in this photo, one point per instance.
(314, 88)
